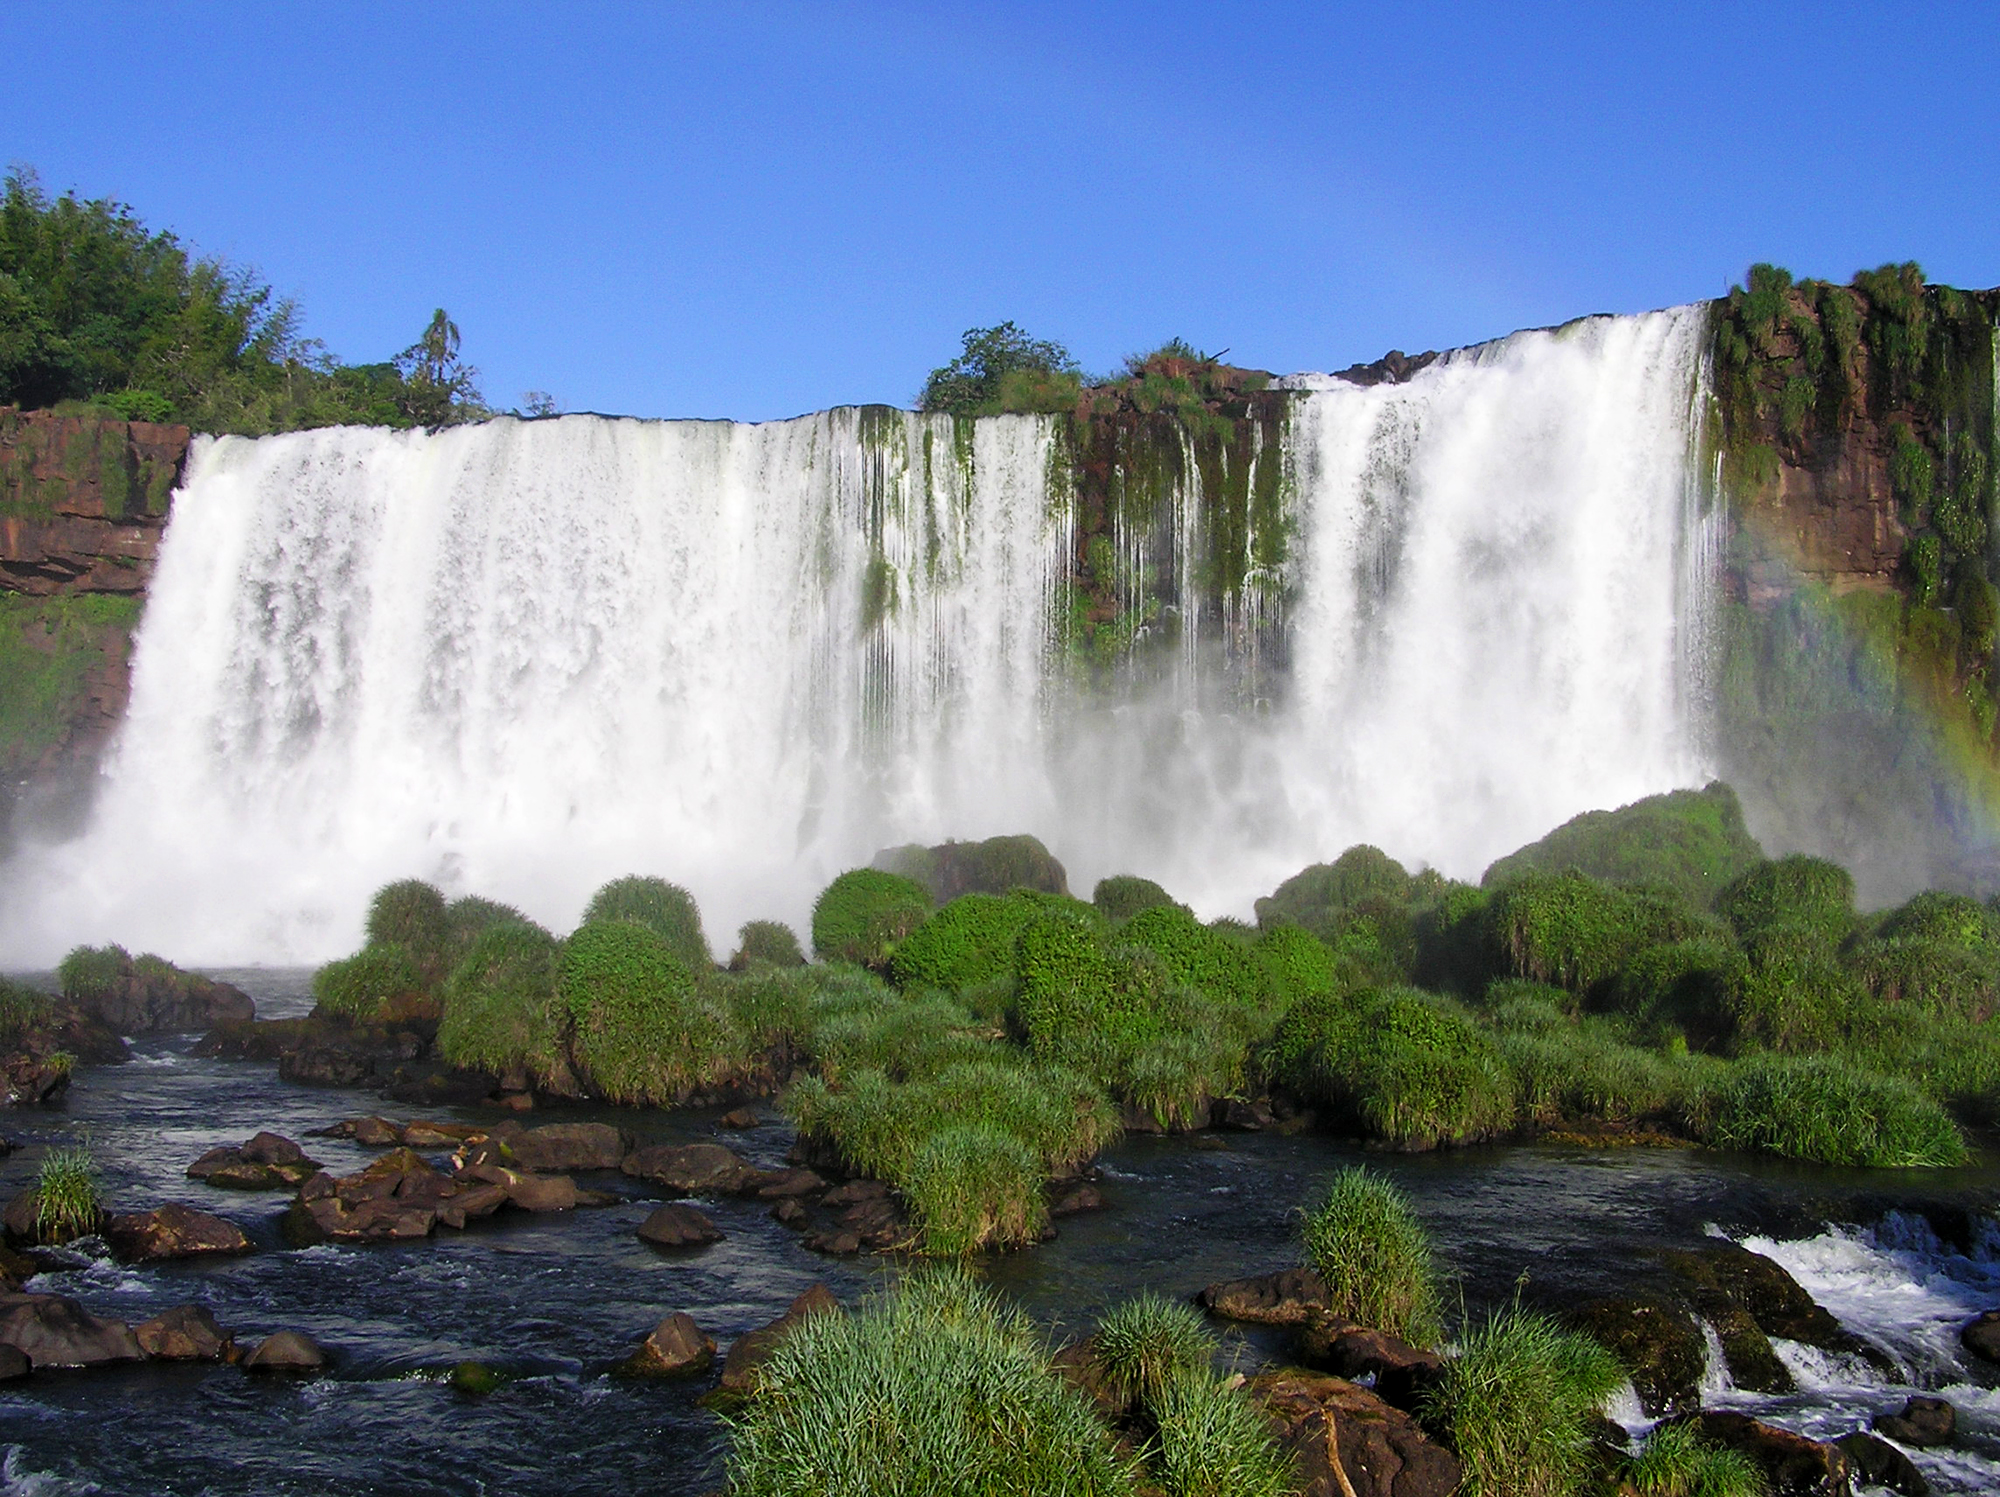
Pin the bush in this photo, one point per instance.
(863, 915)
(1796, 891)
(364, 987)
(1676, 1462)
(768, 1006)
(933, 1388)
(666, 909)
(1795, 996)
(969, 941)
(999, 865)
(1580, 1071)
(1941, 977)
(1952, 919)
(1575, 932)
(1198, 956)
(1413, 1070)
(1297, 964)
(67, 1203)
(1146, 1342)
(1825, 1109)
(92, 972)
(974, 1186)
(1064, 987)
(1516, 1404)
(904, 1036)
(639, 1032)
(466, 917)
(1365, 1241)
(22, 1010)
(500, 1013)
(1123, 895)
(769, 942)
(1318, 898)
(1687, 987)
(1690, 841)
(412, 915)
(1210, 1440)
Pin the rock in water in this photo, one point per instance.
(286, 1351)
(1795, 1465)
(1402, 1373)
(1923, 1422)
(678, 1226)
(1379, 1450)
(56, 1332)
(173, 1231)
(1981, 1336)
(185, 1334)
(1659, 1344)
(693, 1169)
(747, 1356)
(1285, 1298)
(13, 1363)
(1883, 1464)
(677, 1347)
(569, 1146)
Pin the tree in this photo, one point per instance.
(439, 388)
(1003, 369)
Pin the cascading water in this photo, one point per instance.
(521, 658)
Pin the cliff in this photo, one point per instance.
(83, 504)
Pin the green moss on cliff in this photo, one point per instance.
(49, 648)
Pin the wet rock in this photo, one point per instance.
(1753, 1363)
(1288, 1297)
(1079, 1365)
(1244, 1117)
(569, 1146)
(792, 1182)
(1068, 1200)
(791, 1212)
(269, 1161)
(14, 1363)
(693, 1169)
(476, 1201)
(543, 1193)
(1795, 1465)
(1343, 1439)
(376, 1133)
(863, 1214)
(1981, 1335)
(475, 1379)
(739, 1119)
(419, 1134)
(742, 1367)
(158, 999)
(678, 1226)
(1725, 1275)
(1659, 1344)
(173, 1231)
(286, 1351)
(677, 1348)
(187, 1333)
(1923, 1422)
(1403, 1373)
(275, 1148)
(16, 1269)
(52, 1331)
(1883, 1464)
(22, 1216)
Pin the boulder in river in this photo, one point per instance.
(743, 1366)
(567, 1146)
(694, 1169)
(267, 1161)
(1402, 1373)
(53, 1331)
(1288, 1297)
(286, 1351)
(187, 1333)
(676, 1348)
(173, 1231)
(150, 996)
(1883, 1464)
(678, 1226)
(1724, 1277)
(1659, 1344)
(1344, 1439)
(1981, 1335)
(1923, 1422)
(1795, 1465)
(14, 1363)
(865, 1215)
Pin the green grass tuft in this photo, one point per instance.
(974, 1186)
(1124, 895)
(363, 986)
(91, 972)
(500, 1012)
(639, 1030)
(1366, 1242)
(768, 942)
(1792, 891)
(411, 914)
(1676, 1462)
(67, 1202)
(1145, 1342)
(666, 909)
(1211, 1440)
(1827, 1109)
(865, 914)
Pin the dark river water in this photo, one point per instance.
(556, 1300)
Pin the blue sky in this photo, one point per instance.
(688, 210)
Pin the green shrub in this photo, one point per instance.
(1124, 895)
(1690, 841)
(1938, 916)
(1575, 932)
(1196, 955)
(769, 942)
(1517, 1402)
(1064, 985)
(1365, 1241)
(1448, 938)
(1210, 1440)
(500, 1012)
(466, 917)
(92, 972)
(410, 914)
(1577, 1071)
(1793, 892)
(933, 1388)
(969, 941)
(666, 909)
(767, 1005)
(1412, 1069)
(904, 1036)
(1145, 1342)
(22, 1010)
(1794, 995)
(363, 986)
(1676, 1462)
(1823, 1108)
(1941, 977)
(1297, 964)
(67, 1202)
(1688, 987)
(998, 865)
(863, 915)
(974, 1186)
(1317, 898)
(639, 1032)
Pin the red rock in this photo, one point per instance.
(1796, 1465)
(1327, 1422)
(677, 1347)
(173, 1231)
(678, 1226)
(53, 1331)
(185, 1334)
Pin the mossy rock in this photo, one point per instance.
(1124, 895)
(1691, 841)
(1658, 1343)
(994, 866)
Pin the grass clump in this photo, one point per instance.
(1146, 1342)
(865, 914)
(768, 942)
(92, 972)
(67, 1201)
(1795, 995)
(500, 1012)
(967, 942)
(1582, 1070)
(1124, 895)
(1800, 891)
(1318, 898)
(412, 915)
(1825, 1108)
(639, 1030)
(22, 1011)
(1691, 841)
(932, 1388)
(1210, 1440)
(1569, 930)
(1676, 1462)
(1365, 1241)
(974, 1185)
(365, 987)
(1412, 1069)
(1516, 1402)
(666, 909)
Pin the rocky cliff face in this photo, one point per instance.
(83, 503)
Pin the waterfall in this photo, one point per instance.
(522, 657)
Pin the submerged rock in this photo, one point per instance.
(187, 1333)
(1883, 1464)
(286, 1351)
(1724, 1278)
(1923, 1422)
(676, 1348)
(14, 1363)
(694, 1169)
(678, 1226)
(52, 1331)
(1343, 1438)
(173, 1231)
(1288, 1297)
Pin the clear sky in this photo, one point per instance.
(756, 210)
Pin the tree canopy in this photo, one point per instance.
(1003, 369)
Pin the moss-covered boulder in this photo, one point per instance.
(994, 866)
(148, 994)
